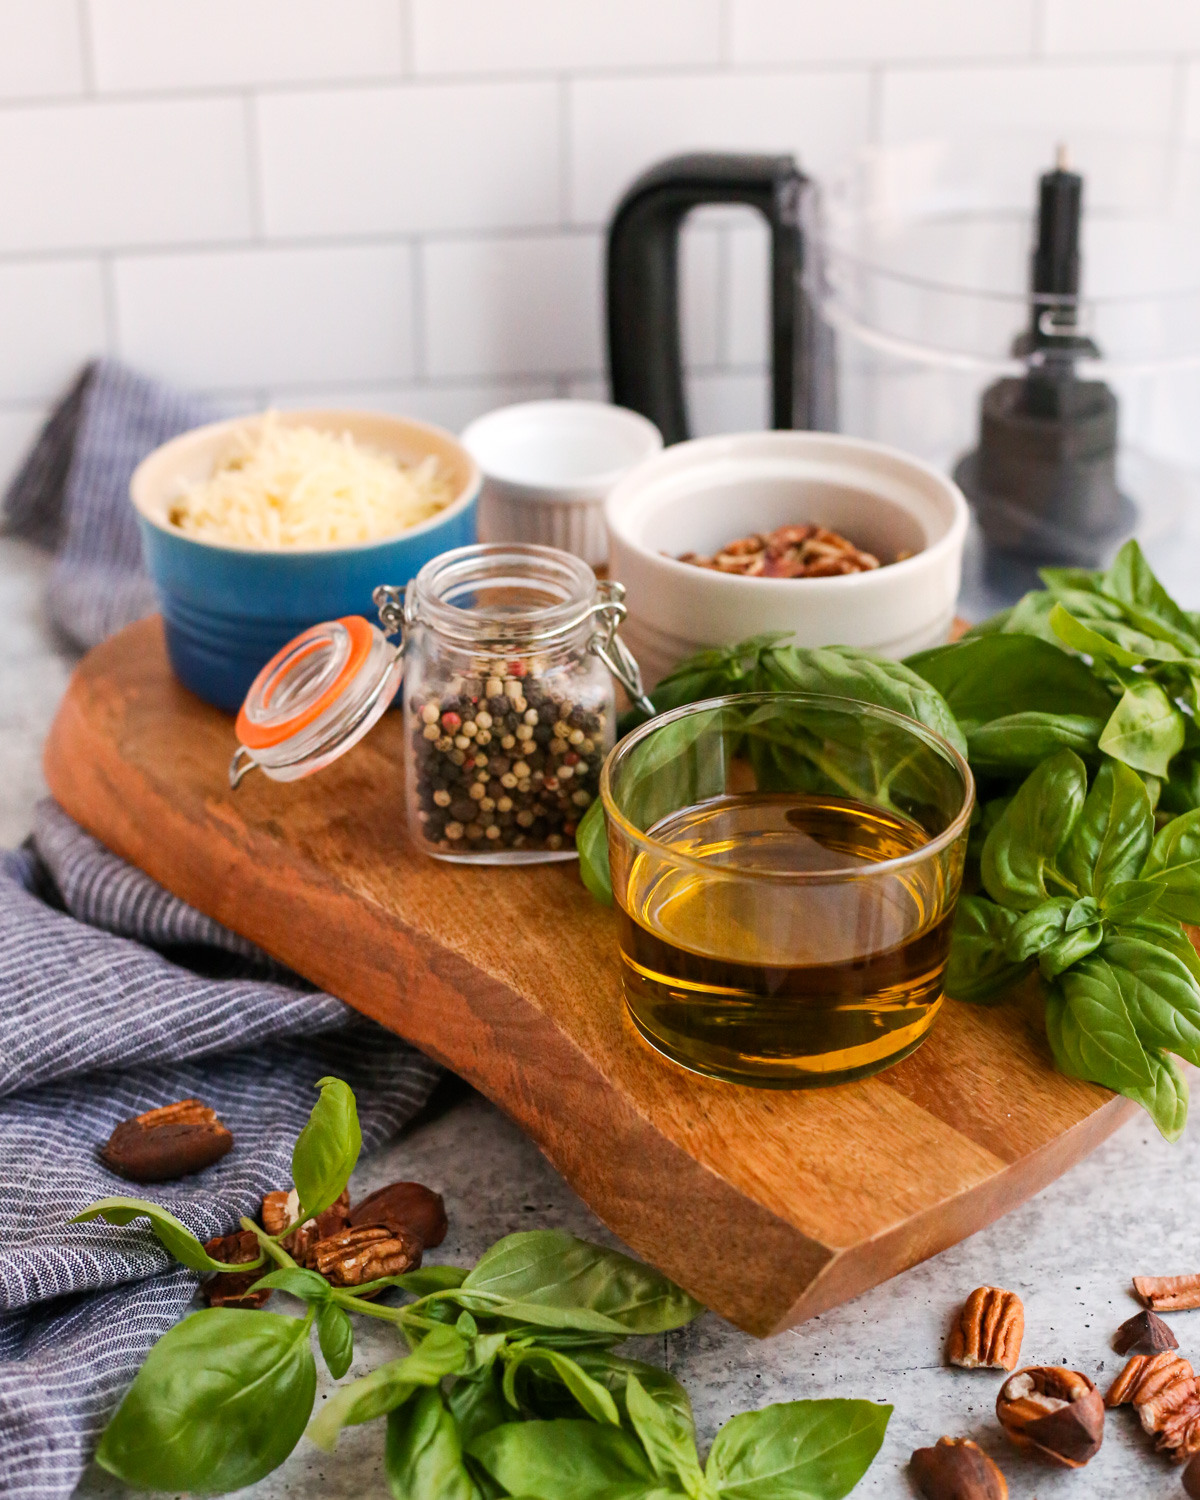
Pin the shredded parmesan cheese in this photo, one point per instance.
(283, 486)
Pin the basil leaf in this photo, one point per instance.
(591, 839)
(670, 1447)
(565, 1460)
(979, 969)
(1165, 1098)
(219, 1402)
(1019, 742)
(1160, 993)
(423, 1454)
(1104, 1043)
(800, 1450)
(176, 1238)
(477, 1403)
(847, 672)
(1130, 899)
(1111, 840)
(297, 1282)
(1034, 826)
(613, 1371)
(1174, 863)
(335, 1334)
(1037, 929)
(1059, 955)
(327, 1148)
(1105, 640)
(430, 1279)
(996, 676)
(548, 1270)
(1146, 729)
(441, 1352)
(596, 1401)
(1131, 581)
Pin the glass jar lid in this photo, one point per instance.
(315, 699)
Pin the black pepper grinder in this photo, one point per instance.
(1043, 480)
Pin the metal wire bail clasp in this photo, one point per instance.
(610, 609)
(390, 601)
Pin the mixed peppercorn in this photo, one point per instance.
(504, 762)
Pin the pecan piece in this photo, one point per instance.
(1144, 1333)
(364, 1253)
(405, 1205)
(279, 1209)
(957, 1469)
(1167, 1293)
(1191, 1480)
(235, 1287)
(1163, 1390)
(989, 1331)
(166, 1143)
(1054, 1412)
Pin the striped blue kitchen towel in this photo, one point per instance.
(72, 494)
(116, 998)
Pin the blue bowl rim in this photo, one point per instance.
(320, 417)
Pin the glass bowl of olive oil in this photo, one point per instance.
(785, 868)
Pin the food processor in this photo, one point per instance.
(1020, 313)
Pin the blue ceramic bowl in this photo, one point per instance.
(228, 609)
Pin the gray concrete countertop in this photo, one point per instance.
(1069, 1253)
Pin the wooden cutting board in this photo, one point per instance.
(768, 1206)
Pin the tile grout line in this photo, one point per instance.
(87, 46)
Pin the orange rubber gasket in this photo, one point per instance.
(263, 736)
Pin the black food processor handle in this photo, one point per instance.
(644, 355)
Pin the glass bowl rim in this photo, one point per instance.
(931, 738)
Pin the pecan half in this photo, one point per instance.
(1168, 1293)
(166, 1143)
(989, 1331)
(365, 1253)
(279, 1209)
(803, 551)
(405, 1205)
(957, 1469)
(1163, 1390)
(1144, 1333)
(1054, 1412)
(235, 1287)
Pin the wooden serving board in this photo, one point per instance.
(768, 1206)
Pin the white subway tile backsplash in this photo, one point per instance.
(410, 158)
(1121, 28)
(748, 307)
(264, 317)
(808, 31)
(522, 36)
(620, 126)
(147, 173)
(51, 321)
(449, 406)
(400, 203)
(512, 307)
(41, 51)
(181, 44)
(1053, 98)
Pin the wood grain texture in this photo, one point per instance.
(769, 1206)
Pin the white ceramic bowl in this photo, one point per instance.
(548, 467)
(696, 496)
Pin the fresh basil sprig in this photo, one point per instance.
(508, 1385)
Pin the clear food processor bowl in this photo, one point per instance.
(921, 275)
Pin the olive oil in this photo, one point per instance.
(828, 973)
